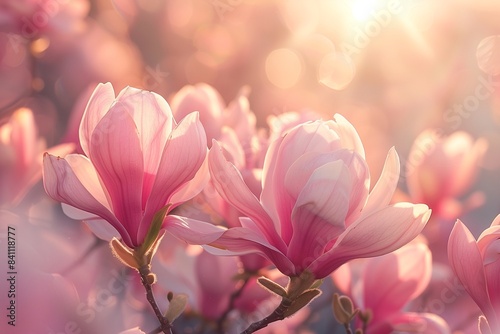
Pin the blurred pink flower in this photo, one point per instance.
(21, 152)
(137, 160)
(385, 284)
(440, 170)
(204, 99)
(315, 211)
(32, 18)
(477, 266)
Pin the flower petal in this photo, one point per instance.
(243, 240)
(379, 233)
(204, 99)
(153, 119)
(192, 231)
(320, 211)
(349, 137)
(309, 137)
(118, 159)
(184, 153)
(394, 279)
(427, 323)
(465, 260)
(385, 187)
(99, 103)
(230, 185)
(62, 184)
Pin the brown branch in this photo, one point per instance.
(146, 275)
(278, 314)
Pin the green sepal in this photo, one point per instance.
(154, 231)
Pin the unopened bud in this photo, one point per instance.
(151, 278)
(343, 309)
(365, 316)
(176, 307)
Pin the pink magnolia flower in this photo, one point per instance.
(386, 284)
(441, 169)
(477, 266)
(137, 159)
(315, 211)
(204, 99)
(21, 152)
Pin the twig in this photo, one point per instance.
(145, 273)
(278, 314)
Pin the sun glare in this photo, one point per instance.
(361, 9)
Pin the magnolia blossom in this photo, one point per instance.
(137, 160)
(441, 169)
(21, 153)
(385, 284)
(315, 211)
(477, 266)
(214, 114)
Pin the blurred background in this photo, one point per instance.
(393, 68)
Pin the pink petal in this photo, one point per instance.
(489, 247)
(87, 175)
(319, 213)
(348, 135)
(99, 103)
(394, 279)
(427, 323)
(230, 185)
(192, 231)
(193, 187)
(377, 234)
(153, 119)
(204, 99)
(386, 185)
(118, 159)
(101, 228)
(62, 184)
(184, 153)
(465, 260)
(243, 240)
(309, 137)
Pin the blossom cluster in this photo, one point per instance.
(157, 189)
